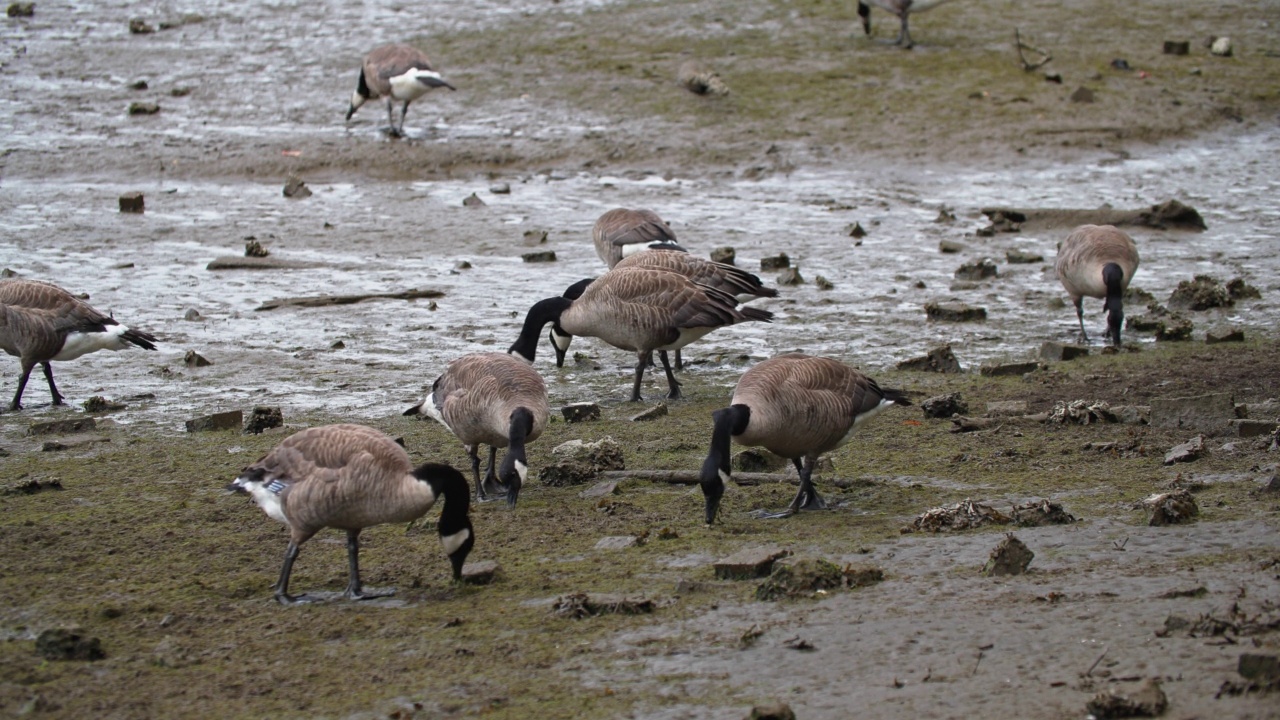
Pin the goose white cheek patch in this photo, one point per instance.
(452, 542)
(523, 471)
(724, 477)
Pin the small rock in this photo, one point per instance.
(1224, 336)
(772, 711)
(1201, 293)
(1010, 557)
(1059, 352)
(230, 420)
(138, 85)
(1253, 428)
(1022, 257)
(939, 359)
(1176, 47)
(99, 404)
(338, 345)
(194, 359)
(950, 247)
(945, 215)
(1007, 408)
(860, 575)
(1132, 414)
(500, 188)
(263, 418)
(963, 515)
(180, 92)
(481, 572)
(1144, 700)
(944, 406)
(1040, 513)
(580, 412)
(577, 462)
(31, 487)
(776, 262)
(295, 188)
(749, 563)
(653, 413)
(541, 256)
(1238, 289)
(1221, 47)
(725, 254)
(144, 108)
(790, 276)
(21, 9)
(1082, 95)
(191, 315)
(823, 283)
(963, 285)
(253, 248)
(472, 200)
(1171, 508)
(617, 542)
(132, 202)
(1005, 369)
(977, 270)
(138, 26)
(1188, 451)
(800, 577)
(600, 489)
(62, 427)
(700, 80)
(954, 312)
(62, 644)
(855, 230)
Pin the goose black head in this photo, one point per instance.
(560, 340)
(1113, 278)
(359, 97)
(716, 470)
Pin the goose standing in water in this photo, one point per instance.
(40, 322)
(900, 8)
(1098, 261)
(623, 231)
(351, 477)
(797, 406)
(496, 399)
(638, 309)
(399, 73)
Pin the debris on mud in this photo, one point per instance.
(1081, 412)
(64, 644)
(230, 420)
(132, 202)
(1061, 352)
(1144, 699)
(30, 487)
(1261, 674)
(1171, 508)
(577, 462)
(1039, 513)
(1170, 213)
(954, 312)
(800, 577)
(295, 188)
(1189, 451)
(939, 359)
(964, 515)
(977, 270)
(861, 575)
(700, 80)
(772, 711)
(1165, 324)
(62, 427)
(583, 605)
(653, 413)
(263, 418)
(253, 248)
(750, 563)
(1203, 292)
(326, 300)
(580, 412)
(944, 406)
(1238, 289)
(1010, 557)
(194, 359)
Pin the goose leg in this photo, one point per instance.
(355, 590)
(672, 384)
(904, 36)
(404, 112)
(679, 362)
(491, 486)
(473, 451)
(22, 385)
(282, 585)
(391, 119)
(53, 389)
(1080, 317)
(806, 499)
(635, 389)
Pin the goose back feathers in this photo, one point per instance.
(623, 231)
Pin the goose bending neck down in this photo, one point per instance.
(1098, 261)
(398, 73)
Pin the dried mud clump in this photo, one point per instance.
(1238, 289)
(801, 577)
(62, 644)
(1204, 292)
(1010, 557)
(1171, 508)
(578, 462)
(263, 418)
(1143, 700)
(1039, 513)
(964, 515)
(1081, 412)
(583, 605)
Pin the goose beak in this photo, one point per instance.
(236, 487)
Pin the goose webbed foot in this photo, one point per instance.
(361, 594)
(807, 499)
(285, 598)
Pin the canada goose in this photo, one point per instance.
(901, 8)
(727, 278)
(496, 399)
(797, 406)
(622, 231)
(637, 309)
(40, 322)
(1098, 261)
(397, 72)
(351, 477)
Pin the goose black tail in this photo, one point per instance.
(144, 340)
(752, 313)
(896, 396)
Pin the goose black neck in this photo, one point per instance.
(510, 474)
(448, 484)
(1113, 278)
(726, 423)
(542, 312)
(362, 87)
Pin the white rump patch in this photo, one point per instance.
(453, 542)
(687, 335)
(859, 419)
(79, 343)
(407, 87)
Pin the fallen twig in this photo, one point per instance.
(1089, 672)
(325, 300)
(1027, 65)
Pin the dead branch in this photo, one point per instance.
(1027, 65)
(325, 300)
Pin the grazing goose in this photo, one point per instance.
(1098, 261)
(901, 8)
(639, 309)
(40, 322)
(496, 399)
(622, 231)
(397, 72)
(797, 406)
(351, 477)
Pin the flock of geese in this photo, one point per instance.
(654, 297)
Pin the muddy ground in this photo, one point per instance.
(141, 549)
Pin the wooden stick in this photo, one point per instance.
(325, 300)
(1026, 64)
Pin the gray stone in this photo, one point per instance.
(539, 257)
(950, 247)
(1022, 257)
(191, 315)
(1006, 408)
(1209, 413)
(62, 427)
(194, 359)
(939, 359)
(964, 285)
(1132, 414)
(790, 276)
(954, 312)
(132, 202)
(1176, 47)
(653, 413)
(1221, 47)
(472, 201)
(72, 442)
(1224, 336)
(1010, 557)
(749, 563)
(1189, 451)
(617, 542)
(977, 270)
(580, 412)
(500, 188)
(725, 254)
(480, 572)
(253, 248)
(1005, 369)
(1253, 428)
(1060, 352)
(944, 406)
(230, 420)
(295, 188)
(600, 489)
(776, 262)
